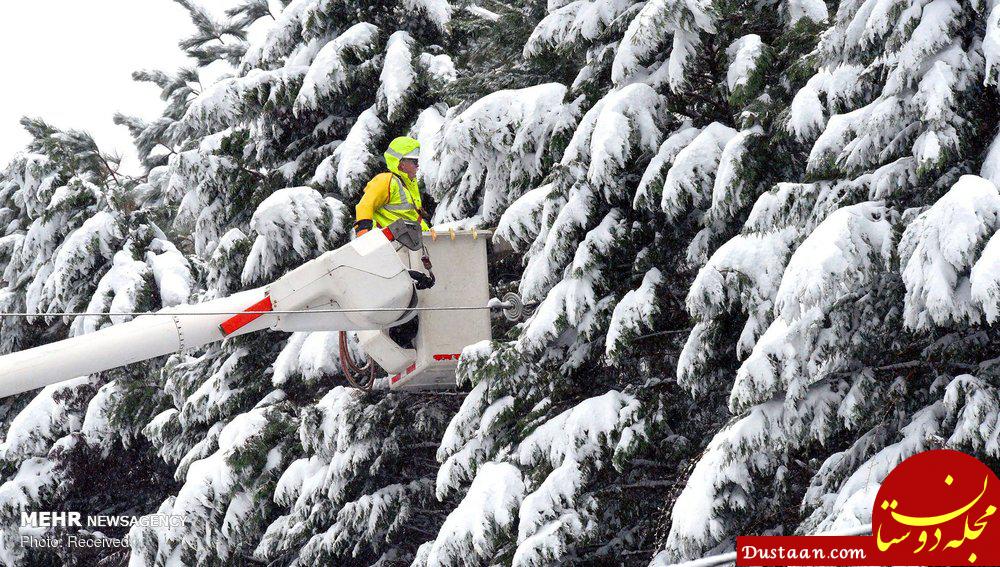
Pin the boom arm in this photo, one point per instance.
(365, 274)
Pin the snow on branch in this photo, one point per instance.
(938, 250)
(297, 221)
(520, 223)
(56, 411)
(171, 271)
(691, 179)
(118, 291)
(576, 21)
(652, 26)
(353, 162)
(398, 75)
(637, 309)
(82, 253)
(840, 260)
(488, 509)
(495, 149)
(438, 12)
(329, 72)
(623, 124)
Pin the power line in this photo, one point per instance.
(251, 312)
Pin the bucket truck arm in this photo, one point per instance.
(366, 282)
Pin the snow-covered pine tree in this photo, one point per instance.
(74, 240)
(576, 415)
(874, 230)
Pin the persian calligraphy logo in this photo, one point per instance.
(938, 508)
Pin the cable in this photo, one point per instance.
(296, 312)
(349, 367)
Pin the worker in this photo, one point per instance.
(393, 195)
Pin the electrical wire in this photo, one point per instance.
(251, 312)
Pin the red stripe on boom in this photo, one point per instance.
(447, 356)
(233, 324)
(399, 376)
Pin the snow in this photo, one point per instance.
(372, 516)
(696, 525)
(356, 154)
(991, 45)
(837, 258)
(210, 482)
(984, 280)
(219, 280)
(690, 180)
(463, 425)
(650, 186)
(279, 39)
(427, 130)
(290, 485)
(933, 32)
(118, 291)
(807, 115)
(548, 518)
(814, 10)
(685, 45)
(572, 22)
(489, 506)
(938, 249)
(438, 12)
(745, 271)
(572, 301)
(727, 191)
(171, 271)
(621, 125)
(481, 12)
(854, 139)
(440, 67)
(466, 440)
(224, 102)
(864, 481)
(77, 258)
(494, 149)
(295, 221)
(991, 164)
(51, 414)
(744, 55)
(545, 263)
(36, 478)
(398, 75)
(311, 355)
(637, 309)
(841, 259)
(973, 403)
(580, 433)
(520, 224)
(329, 72)
(97, 428)
(657, 20)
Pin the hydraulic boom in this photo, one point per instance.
(364, 285)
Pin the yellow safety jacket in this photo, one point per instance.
(388, 197)
(392, 196)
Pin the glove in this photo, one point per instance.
(421, 280)
(362, 226)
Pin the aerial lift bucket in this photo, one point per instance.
(450, 315)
